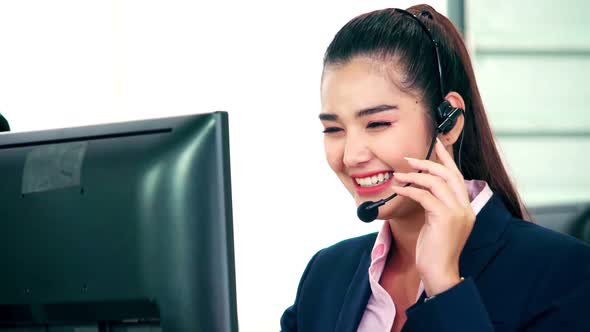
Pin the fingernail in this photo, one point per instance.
(438, 140)
(410, 159)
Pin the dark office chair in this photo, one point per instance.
(572, 219)
(581, 225)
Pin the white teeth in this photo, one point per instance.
(373, 180)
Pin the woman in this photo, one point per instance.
(454, 253)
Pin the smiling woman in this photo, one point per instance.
(403, 118)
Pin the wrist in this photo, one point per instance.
(436, 285)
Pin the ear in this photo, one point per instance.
(452, 136)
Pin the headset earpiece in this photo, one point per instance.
(446, 117)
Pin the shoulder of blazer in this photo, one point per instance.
(557, 265)
(340, 260)
(334, 287)
(347, 250)
(535, 241)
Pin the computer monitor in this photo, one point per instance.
(118, 227)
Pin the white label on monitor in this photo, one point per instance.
(53, 166)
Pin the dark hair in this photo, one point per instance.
(390, 36)
(4, 126)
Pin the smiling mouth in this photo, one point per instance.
(374, 180)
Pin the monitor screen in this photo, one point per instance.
(118, 227)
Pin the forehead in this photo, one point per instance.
(359, 83)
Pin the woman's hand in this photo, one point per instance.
(449, 218)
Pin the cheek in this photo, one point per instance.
(392, 148)
(334, 153)
(404, 141)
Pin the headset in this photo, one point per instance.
(445, 115)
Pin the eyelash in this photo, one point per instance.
(378, 124)
(370, 125)
(330, 130)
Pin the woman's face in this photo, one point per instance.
(370, 126)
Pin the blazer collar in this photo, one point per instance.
(357, 295)
(485, 239)
(489, 225)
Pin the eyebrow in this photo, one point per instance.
(361, 113)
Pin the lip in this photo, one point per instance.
(368, 191)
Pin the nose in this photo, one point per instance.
(356, 152)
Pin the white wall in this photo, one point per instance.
(73, 62)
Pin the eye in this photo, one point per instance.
(330, 130)
(378, 124)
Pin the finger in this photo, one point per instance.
(431, 167)
(456, 183)
(423, 197)
(436, 185)
(444, 156)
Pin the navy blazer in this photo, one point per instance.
(518, 277)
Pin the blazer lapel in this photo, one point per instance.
(357, 296)
(485, 239)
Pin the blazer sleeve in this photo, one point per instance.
(289, 317)
(559, 301)
(458, 309)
